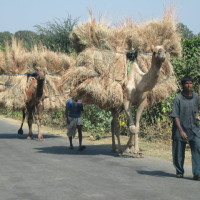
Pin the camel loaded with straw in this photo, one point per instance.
(34, 102)
(103, 75)
(29, 82)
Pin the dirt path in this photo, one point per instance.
(157, 149)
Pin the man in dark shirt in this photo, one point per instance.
(73, 114)
(185, 128)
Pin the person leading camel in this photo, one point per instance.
(74, 121)
(185, 128)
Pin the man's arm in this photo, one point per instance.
(197, 116)
(182, 132)
(66, 114)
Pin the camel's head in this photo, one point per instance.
(159, 53)
(41, 75)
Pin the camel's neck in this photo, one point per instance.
(150, 79)
(40, 85)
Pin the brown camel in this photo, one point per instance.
(34, 101)
(136, 89)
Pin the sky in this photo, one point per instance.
(20, 15)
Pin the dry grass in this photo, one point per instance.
(16, 60)
(14, 96)
(102, 62)
(128, 34)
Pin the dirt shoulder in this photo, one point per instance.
(158, 149)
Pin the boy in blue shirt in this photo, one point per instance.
(73, 114)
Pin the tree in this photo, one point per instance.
(29, 38)
(184, 30)
(5, 36)
(55, 35)
(189, 63)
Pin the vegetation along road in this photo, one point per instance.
(39, 170)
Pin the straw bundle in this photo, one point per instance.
(128, 35)
(17, 60)
(13, 95)
(161, 92)
(91, 34)
(154, 33)
(13, 92)
(97, 63)
(103, 92)
(42, 58)
(55, 98)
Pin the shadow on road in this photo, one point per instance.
(90, 150)
(160, 174)
(24, 136)
(156, 173)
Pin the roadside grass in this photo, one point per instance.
(156, 148)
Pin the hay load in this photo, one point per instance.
(16, 62)
(102, 61)
(92, 34)
(13, 92)
(55, 98)
(96, 78)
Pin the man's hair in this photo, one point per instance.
(75, 99)
(186, 78)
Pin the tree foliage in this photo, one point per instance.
(5, 36)
(29, 38)
(190, 61)
(184, 31)
(55, 35)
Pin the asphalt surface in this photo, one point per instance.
(49, 170)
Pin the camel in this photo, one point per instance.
(34, 102)
(134, 90)
(135, 93)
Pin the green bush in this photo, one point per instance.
(96, 120)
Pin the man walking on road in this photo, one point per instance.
(185, 128)
(73, 111)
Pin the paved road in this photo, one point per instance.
(48, 170)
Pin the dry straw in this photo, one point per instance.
(99, 73)
(16, 61)
(13, 93)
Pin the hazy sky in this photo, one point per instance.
(18, 15)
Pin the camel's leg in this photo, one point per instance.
(20, 131)
(113, 136)
(115, 131)
(127, 108)
(136, 129)
(38, 120)
(30, 122)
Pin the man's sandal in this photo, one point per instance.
(81, 148)
(179, 175)
(138, 155)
